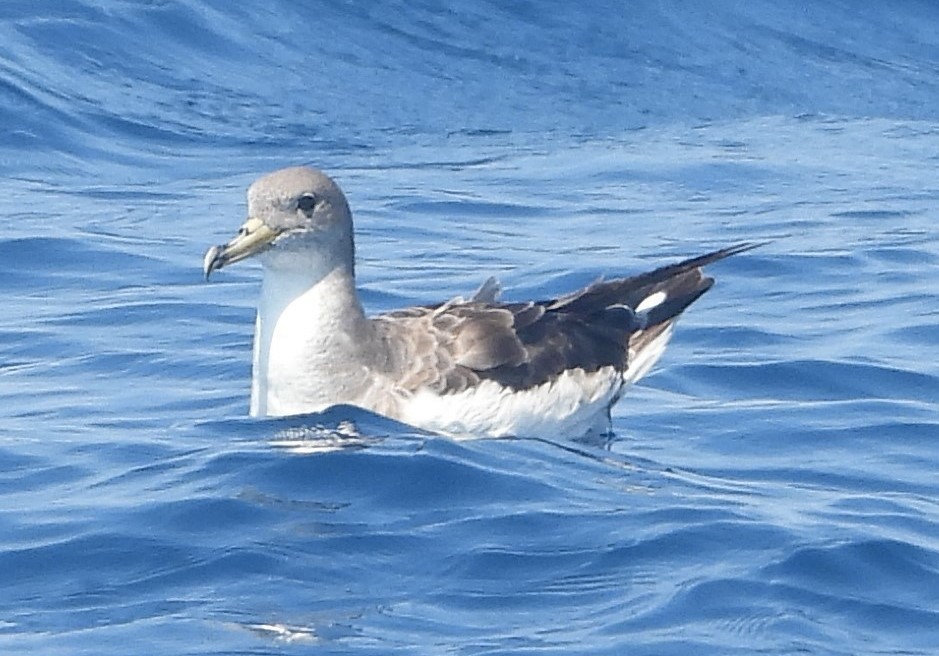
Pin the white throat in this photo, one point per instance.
(308, 324)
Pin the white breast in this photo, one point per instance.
(304, 351)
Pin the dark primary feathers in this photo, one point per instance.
(523, 345)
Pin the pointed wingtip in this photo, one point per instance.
(714, 256)
(736, 249)
(745, 246)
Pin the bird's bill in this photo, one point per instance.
(252, 238)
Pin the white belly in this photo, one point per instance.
(575, 404)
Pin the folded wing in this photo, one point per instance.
(453, 346)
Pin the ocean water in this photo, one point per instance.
(771, 488)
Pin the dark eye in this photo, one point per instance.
(306, 203)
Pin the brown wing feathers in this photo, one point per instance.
(522, 345)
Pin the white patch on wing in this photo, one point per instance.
(574, 404)
(651, 301)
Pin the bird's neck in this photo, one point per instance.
(309, 319)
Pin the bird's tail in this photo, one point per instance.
(663, 294)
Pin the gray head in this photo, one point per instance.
(293, 214)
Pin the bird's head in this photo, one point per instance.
(293, 214)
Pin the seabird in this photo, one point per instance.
(466, 368)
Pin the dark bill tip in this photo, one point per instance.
(214, 259)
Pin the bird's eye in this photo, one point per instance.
(306, 203)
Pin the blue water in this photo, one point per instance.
(772, 488)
